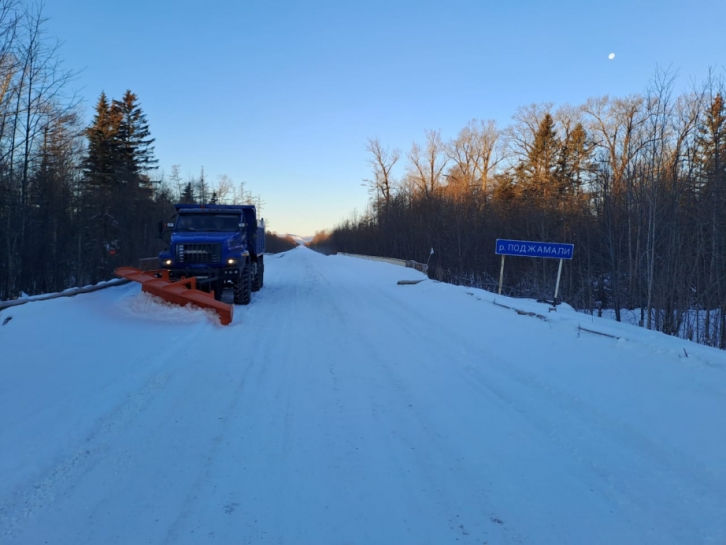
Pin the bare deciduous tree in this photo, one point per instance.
(475, 152)
(382, 161)
(223, 188)
(426, 166)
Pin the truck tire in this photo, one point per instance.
(217, 288)
(261, 269)
(258, 278)
(243, 286)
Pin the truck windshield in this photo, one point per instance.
(208, 222)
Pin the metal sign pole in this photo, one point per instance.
(557, 286)
(501, 275)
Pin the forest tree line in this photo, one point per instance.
(637, 183)
(76, 200)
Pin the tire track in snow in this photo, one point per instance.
(422, 454)
(119, 443)
(607, 447)
(456, 480)
(59, 481)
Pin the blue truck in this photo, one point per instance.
(221, 245)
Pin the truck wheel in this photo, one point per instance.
(217, 289)
(261, 270)
(257, 279)
(243, 286)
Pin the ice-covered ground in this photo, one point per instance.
(342, 408)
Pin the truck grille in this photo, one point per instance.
(199, 253)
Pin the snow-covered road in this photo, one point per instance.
(342, 408)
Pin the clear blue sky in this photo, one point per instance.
(284, 94)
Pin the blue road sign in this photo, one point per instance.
(525, 248)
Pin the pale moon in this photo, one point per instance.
(611, 56)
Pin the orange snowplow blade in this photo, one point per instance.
(182, 292)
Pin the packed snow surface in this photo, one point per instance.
(342, 408)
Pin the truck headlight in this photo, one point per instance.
(232, 261)
(167, 262)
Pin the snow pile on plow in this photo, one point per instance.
(181, 292)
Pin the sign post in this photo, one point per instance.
(525, 248)
(501, 275)
(557, 285)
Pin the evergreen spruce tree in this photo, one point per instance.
(712, 145)
(100, 183)
(136, 153)
(187, 196)
(102, 160)
(118, 201)
(537, 173)
(574, 161)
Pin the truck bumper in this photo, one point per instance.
(206, 275)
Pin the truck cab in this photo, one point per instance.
(221, 245)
